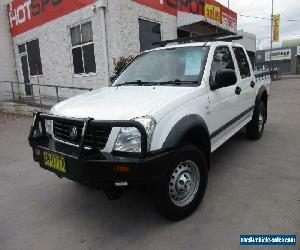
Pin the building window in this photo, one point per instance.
(83, 49)
(149, 34)
(242, 62)
(32, 49)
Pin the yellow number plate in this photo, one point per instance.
(54, 161)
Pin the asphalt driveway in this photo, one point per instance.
(254, 188)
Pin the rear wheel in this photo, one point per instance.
(179, 193)
(256, 127)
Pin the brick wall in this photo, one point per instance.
(123, 40)
(7, 64)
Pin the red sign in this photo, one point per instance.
(228, 17)
(173, 6)
(28, 14)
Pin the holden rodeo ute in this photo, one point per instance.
(157, 124)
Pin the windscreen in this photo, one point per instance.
(168, 65)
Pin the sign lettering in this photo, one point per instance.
(276, 23)
(172, 6)
(27, 14)
(208, 8)
(278, 55)
(213, 12)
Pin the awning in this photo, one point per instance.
(201, 24)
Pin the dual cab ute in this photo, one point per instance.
(157, 125)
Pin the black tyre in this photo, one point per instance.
(256, 127)
(179, 193)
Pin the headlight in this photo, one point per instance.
(49, 123)
(129, 139)
(49, 126)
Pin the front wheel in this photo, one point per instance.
(179, 193)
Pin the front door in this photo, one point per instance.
(25, 72)
(224, 102)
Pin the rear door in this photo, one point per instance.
(224, 102)
(246, 80)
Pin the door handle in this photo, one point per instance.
(252, 84)
(238, 90)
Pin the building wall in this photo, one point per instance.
(248, 41)
(122, 35)
(286, 66)
(7, 62)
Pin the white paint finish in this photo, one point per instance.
(194, 103)
(167, 105)
(230, 131)
(245, 99)
(121, 103)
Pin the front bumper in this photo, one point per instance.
(103, 170)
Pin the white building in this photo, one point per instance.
(74, 42)
(7, 61)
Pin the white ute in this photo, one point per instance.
(157, 124)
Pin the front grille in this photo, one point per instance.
(62, 131)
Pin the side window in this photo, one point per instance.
(242, 62)
(222, 60)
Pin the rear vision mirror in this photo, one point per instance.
(224, 78)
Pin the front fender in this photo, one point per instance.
(182, 127)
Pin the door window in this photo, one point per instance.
(222, 60)
(242, 62)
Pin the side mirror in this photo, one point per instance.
(224, 78)
(113, 78)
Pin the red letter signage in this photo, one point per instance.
(28, 14)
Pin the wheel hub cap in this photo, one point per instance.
(184, 183)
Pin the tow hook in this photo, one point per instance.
(113, 194)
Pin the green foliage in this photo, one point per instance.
(121, 63)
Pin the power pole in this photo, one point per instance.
(272, 18)
(228, 3)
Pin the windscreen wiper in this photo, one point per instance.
(135, 82)
(177, 82)
(171, 82)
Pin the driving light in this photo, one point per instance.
(129, 139)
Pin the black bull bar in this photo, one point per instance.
(39, 122)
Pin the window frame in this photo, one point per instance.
(26, 53)
(237, 62)
(151, 21)
(232, 57)
(81, 46)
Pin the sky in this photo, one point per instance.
(289, 9)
